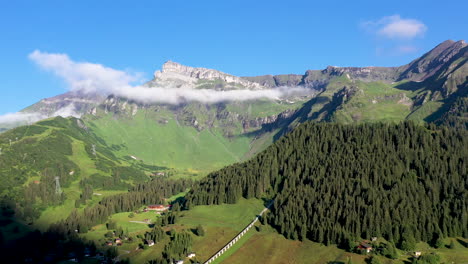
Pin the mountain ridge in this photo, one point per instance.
(338, 94)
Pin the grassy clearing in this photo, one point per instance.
(234, 216)
(179, 195)
(81, 158)
(123, 220)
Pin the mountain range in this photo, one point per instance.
(430, 88)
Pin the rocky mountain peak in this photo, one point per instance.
(431, 62)
(190, 75)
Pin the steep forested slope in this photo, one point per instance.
(332, 182)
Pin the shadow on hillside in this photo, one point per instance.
(411, 86)
(463, 243)
(462, 91)
(21, 244)
(266, 201)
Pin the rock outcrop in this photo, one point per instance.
(191, 75)
(431, 62)
(261, 121)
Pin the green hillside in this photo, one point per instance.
(193, 138)
(170, 144)
(341, 184)
(32, 156)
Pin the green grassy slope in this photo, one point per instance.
(170, 144)
(267, 246)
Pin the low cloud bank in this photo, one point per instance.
(21, 118)
(96, 78)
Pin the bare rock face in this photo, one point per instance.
(430, 63)
(366, 74)
(260, 121)
(190, 75)
(67, 104)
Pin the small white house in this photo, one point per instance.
(150, 243)
(417, 254)
(180, 262)
(191, 255)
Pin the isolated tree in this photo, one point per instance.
(452, 244)
(200, 231)
(440, 243)
(375, 260)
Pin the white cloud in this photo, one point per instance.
(67, 111)
(91, 78)
(19, 117)
(87, 77)
(396, 27)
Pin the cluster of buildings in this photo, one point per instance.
(157, 208)
(190, 256)
(116, 242)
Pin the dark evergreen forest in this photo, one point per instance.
(335, 183)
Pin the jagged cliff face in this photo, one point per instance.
(433, 61)
(226, 117)
(174, 74)
(71, 104)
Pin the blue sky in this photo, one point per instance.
(243, 38)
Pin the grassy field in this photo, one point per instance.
(240, 243)
(170, 144)
(375, 102)
(234, 216)
(267, 246)
(220, 222)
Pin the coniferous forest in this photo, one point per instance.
(335, 183)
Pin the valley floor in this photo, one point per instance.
(261, 244)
